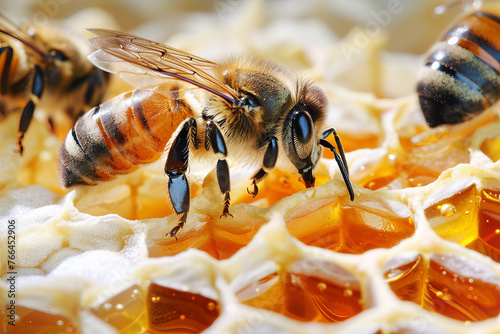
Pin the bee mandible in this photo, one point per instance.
(245, 111)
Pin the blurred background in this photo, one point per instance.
(401, 19)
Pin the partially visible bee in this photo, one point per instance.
(461, 76)
(248, 111)
(45, 68)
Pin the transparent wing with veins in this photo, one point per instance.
(126, 54)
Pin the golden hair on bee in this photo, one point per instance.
(245, 110)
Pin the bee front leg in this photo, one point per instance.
(341, 161)
(270, 158)
(214, 138)
(176, 168)
(27, 114)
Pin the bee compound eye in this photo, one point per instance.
(302, 127)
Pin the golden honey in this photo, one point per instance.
(124, 311)
(348, 229)
(456, 218)
(174, 311)
(303, 297)
(430, 283)
(488, 239)
(40, 322)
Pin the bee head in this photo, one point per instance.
(301, 130)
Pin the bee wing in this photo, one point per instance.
(120, 52)
(7, 27)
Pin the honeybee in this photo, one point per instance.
(45, 68)
(246, 111)
(461, 76)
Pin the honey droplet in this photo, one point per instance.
(211, 306)
(321, 286)
(348, 293)
(447, 210)
(182, 317)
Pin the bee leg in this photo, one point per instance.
(341, 161)
(176, 168)
(29, 109)
(270, 158)
(6, 59)
(214, 138)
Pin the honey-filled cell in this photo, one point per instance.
(396, 171)
(405, 280)
(276, 186)
(488, 241)
(33, 321)
(491, 147)
(455, 218)
(352, 142)
(459, 296)
(305, 296)
(125, 311)
(175, 311)
(220, 237)
(438, 283)
(348, 229)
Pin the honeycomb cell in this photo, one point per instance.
(125, 311)
(488, 241)
(447, 284)
(276, 186)
(396, 171)
(306, 296)
(174, 311)
(33, 321)
(491, 147)
(351, 143)
(455, 218)
(219, 237)
(348, 228)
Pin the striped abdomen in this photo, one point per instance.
(121, 134)
(461, 76)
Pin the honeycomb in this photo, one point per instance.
(417, 251)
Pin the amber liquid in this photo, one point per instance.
(455, 218)
(219, 237)
(491, 147)
(396, 172)
(302, 297)
(488, 242)
(174, 311)
(37, 322)
(347, 229)
(436, 288)
(159, 310)
(125, 311)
